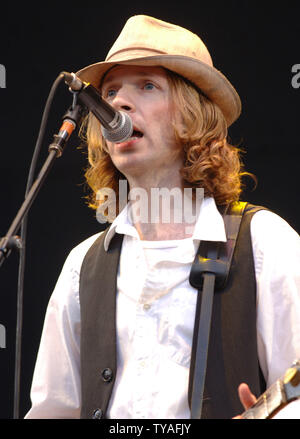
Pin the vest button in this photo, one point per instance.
(98, 414)
(107, 375)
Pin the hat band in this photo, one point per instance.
(134, 52)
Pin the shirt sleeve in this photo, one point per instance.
(276, 248)
(55, 391)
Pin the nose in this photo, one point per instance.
(123, 101)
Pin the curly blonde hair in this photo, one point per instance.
(210, 162)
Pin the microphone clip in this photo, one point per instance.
(71, 119)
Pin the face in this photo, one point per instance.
(144, 93)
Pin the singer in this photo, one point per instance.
(119, 329)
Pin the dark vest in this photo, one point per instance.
(232, 355)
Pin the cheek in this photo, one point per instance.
(161, 118)
(165, 136)
(111, 152)
(108, 148)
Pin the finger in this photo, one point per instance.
(246, 396)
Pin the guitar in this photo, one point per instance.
(281, 393)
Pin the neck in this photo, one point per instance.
(164, 232)
(159, 210)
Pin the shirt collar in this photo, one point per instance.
(209, 225)
(123, 225)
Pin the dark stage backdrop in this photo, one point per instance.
(255, 45)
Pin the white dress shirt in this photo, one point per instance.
(155, 315)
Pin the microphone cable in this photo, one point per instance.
(22, 257)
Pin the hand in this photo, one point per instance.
(246, 397)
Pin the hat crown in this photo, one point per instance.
(149, 42)
(143, 35)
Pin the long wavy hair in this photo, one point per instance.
(210, 161)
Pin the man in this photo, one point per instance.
(128, 355)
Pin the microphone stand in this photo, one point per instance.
(70, 121)
(11, 241)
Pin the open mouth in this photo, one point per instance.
(136, 134)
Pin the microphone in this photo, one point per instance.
(116, 125)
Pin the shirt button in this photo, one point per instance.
(107, 375)
(98, 414)
(147, 306)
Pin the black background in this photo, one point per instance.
(254, 44)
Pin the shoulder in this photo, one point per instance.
(72, 265)
(67, 286)
(267, 225)
(274, 242)
(78, 253)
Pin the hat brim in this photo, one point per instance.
(208, 79)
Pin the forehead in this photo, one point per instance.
(120, 71)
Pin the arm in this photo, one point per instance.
(276, 248)
(55, 391)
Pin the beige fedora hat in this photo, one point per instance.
(147, 41)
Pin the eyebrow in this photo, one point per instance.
(111, 77)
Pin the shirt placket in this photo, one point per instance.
(144, 344)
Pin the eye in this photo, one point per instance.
(111, 93)
(149, 86)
